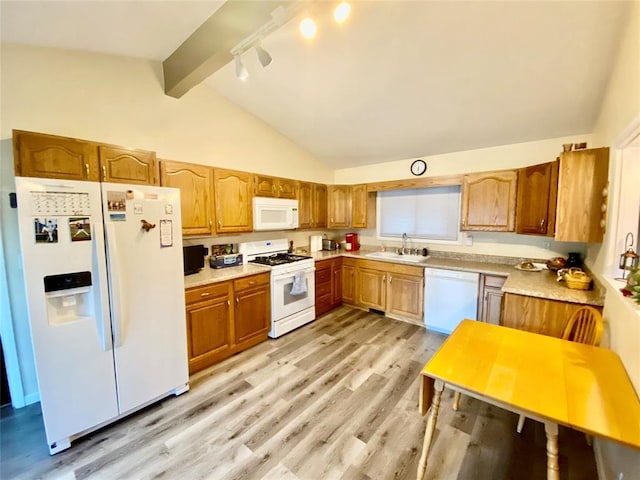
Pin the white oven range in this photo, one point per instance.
(290, 307)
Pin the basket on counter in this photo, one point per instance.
(577, 279)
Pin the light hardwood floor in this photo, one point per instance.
(336, 399)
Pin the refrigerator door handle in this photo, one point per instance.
(104, 331)
(118, 310)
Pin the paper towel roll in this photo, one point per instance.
(315, 243)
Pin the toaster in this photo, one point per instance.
(328, 244)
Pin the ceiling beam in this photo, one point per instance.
(208, 48)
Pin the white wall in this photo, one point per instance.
(620, 109)
(121, 100)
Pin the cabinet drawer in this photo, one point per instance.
(323, 275)
(206, 292)
(323, 264)
(494, 281)
(323, 288)
(252, 281)
(323, 304)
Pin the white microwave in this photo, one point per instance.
(274, 213)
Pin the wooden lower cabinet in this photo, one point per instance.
(349, 280)
(392, 288)
(490, 298)
(537, 315)
(371, 288)
(328, 284)
(405, 296)
(225, 318)
(336, 270)
(209, 335)
(252, 315)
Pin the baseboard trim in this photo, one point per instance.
(31, 398)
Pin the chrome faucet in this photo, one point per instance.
(404, 243)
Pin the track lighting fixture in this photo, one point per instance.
(341, 12)
(308, 28)
(241, 71)
(279, 17)
(263, 55)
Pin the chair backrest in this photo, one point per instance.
(584, 326)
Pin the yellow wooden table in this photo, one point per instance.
(548, 379)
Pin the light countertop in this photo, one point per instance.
(541, 284)
(213, 275)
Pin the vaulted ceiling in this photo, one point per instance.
(398, 79)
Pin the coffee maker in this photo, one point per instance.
(351, 241)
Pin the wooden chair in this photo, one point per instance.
(584, 326)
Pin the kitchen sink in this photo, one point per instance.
(396, 256)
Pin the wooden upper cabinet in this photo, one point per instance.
(233, 200)
(196, 194)
(305, 205)
(339, 206)
(50, 156)
(582, 178)
(266, 186)
(320, 206)
(126, 165)
(363, 207)
(312, 205)
(287, 188)
(489, 201)
(537, 195)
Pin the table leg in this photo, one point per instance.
(553, 470)
(456, 400)
(431, 426)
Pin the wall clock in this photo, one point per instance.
(418, 167)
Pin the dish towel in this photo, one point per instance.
(299, 285)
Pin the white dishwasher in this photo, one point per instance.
(449, 297)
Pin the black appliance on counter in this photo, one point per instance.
(193, 258)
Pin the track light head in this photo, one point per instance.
(241, 71)
(263, 56)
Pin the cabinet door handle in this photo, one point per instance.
(104, 172)
(210, 223)
(228, 303)
(237, 300)
(205, 294)
(273, 189)
(390, 279)
(252, 282)
(219, 224)
(542, 225)
(86, 167)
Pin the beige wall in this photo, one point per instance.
(620, 109)
(484, 159)
(121, 100)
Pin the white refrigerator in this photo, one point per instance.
(105, 291)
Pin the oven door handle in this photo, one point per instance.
(280, 276)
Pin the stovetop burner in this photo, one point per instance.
(278, 259)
